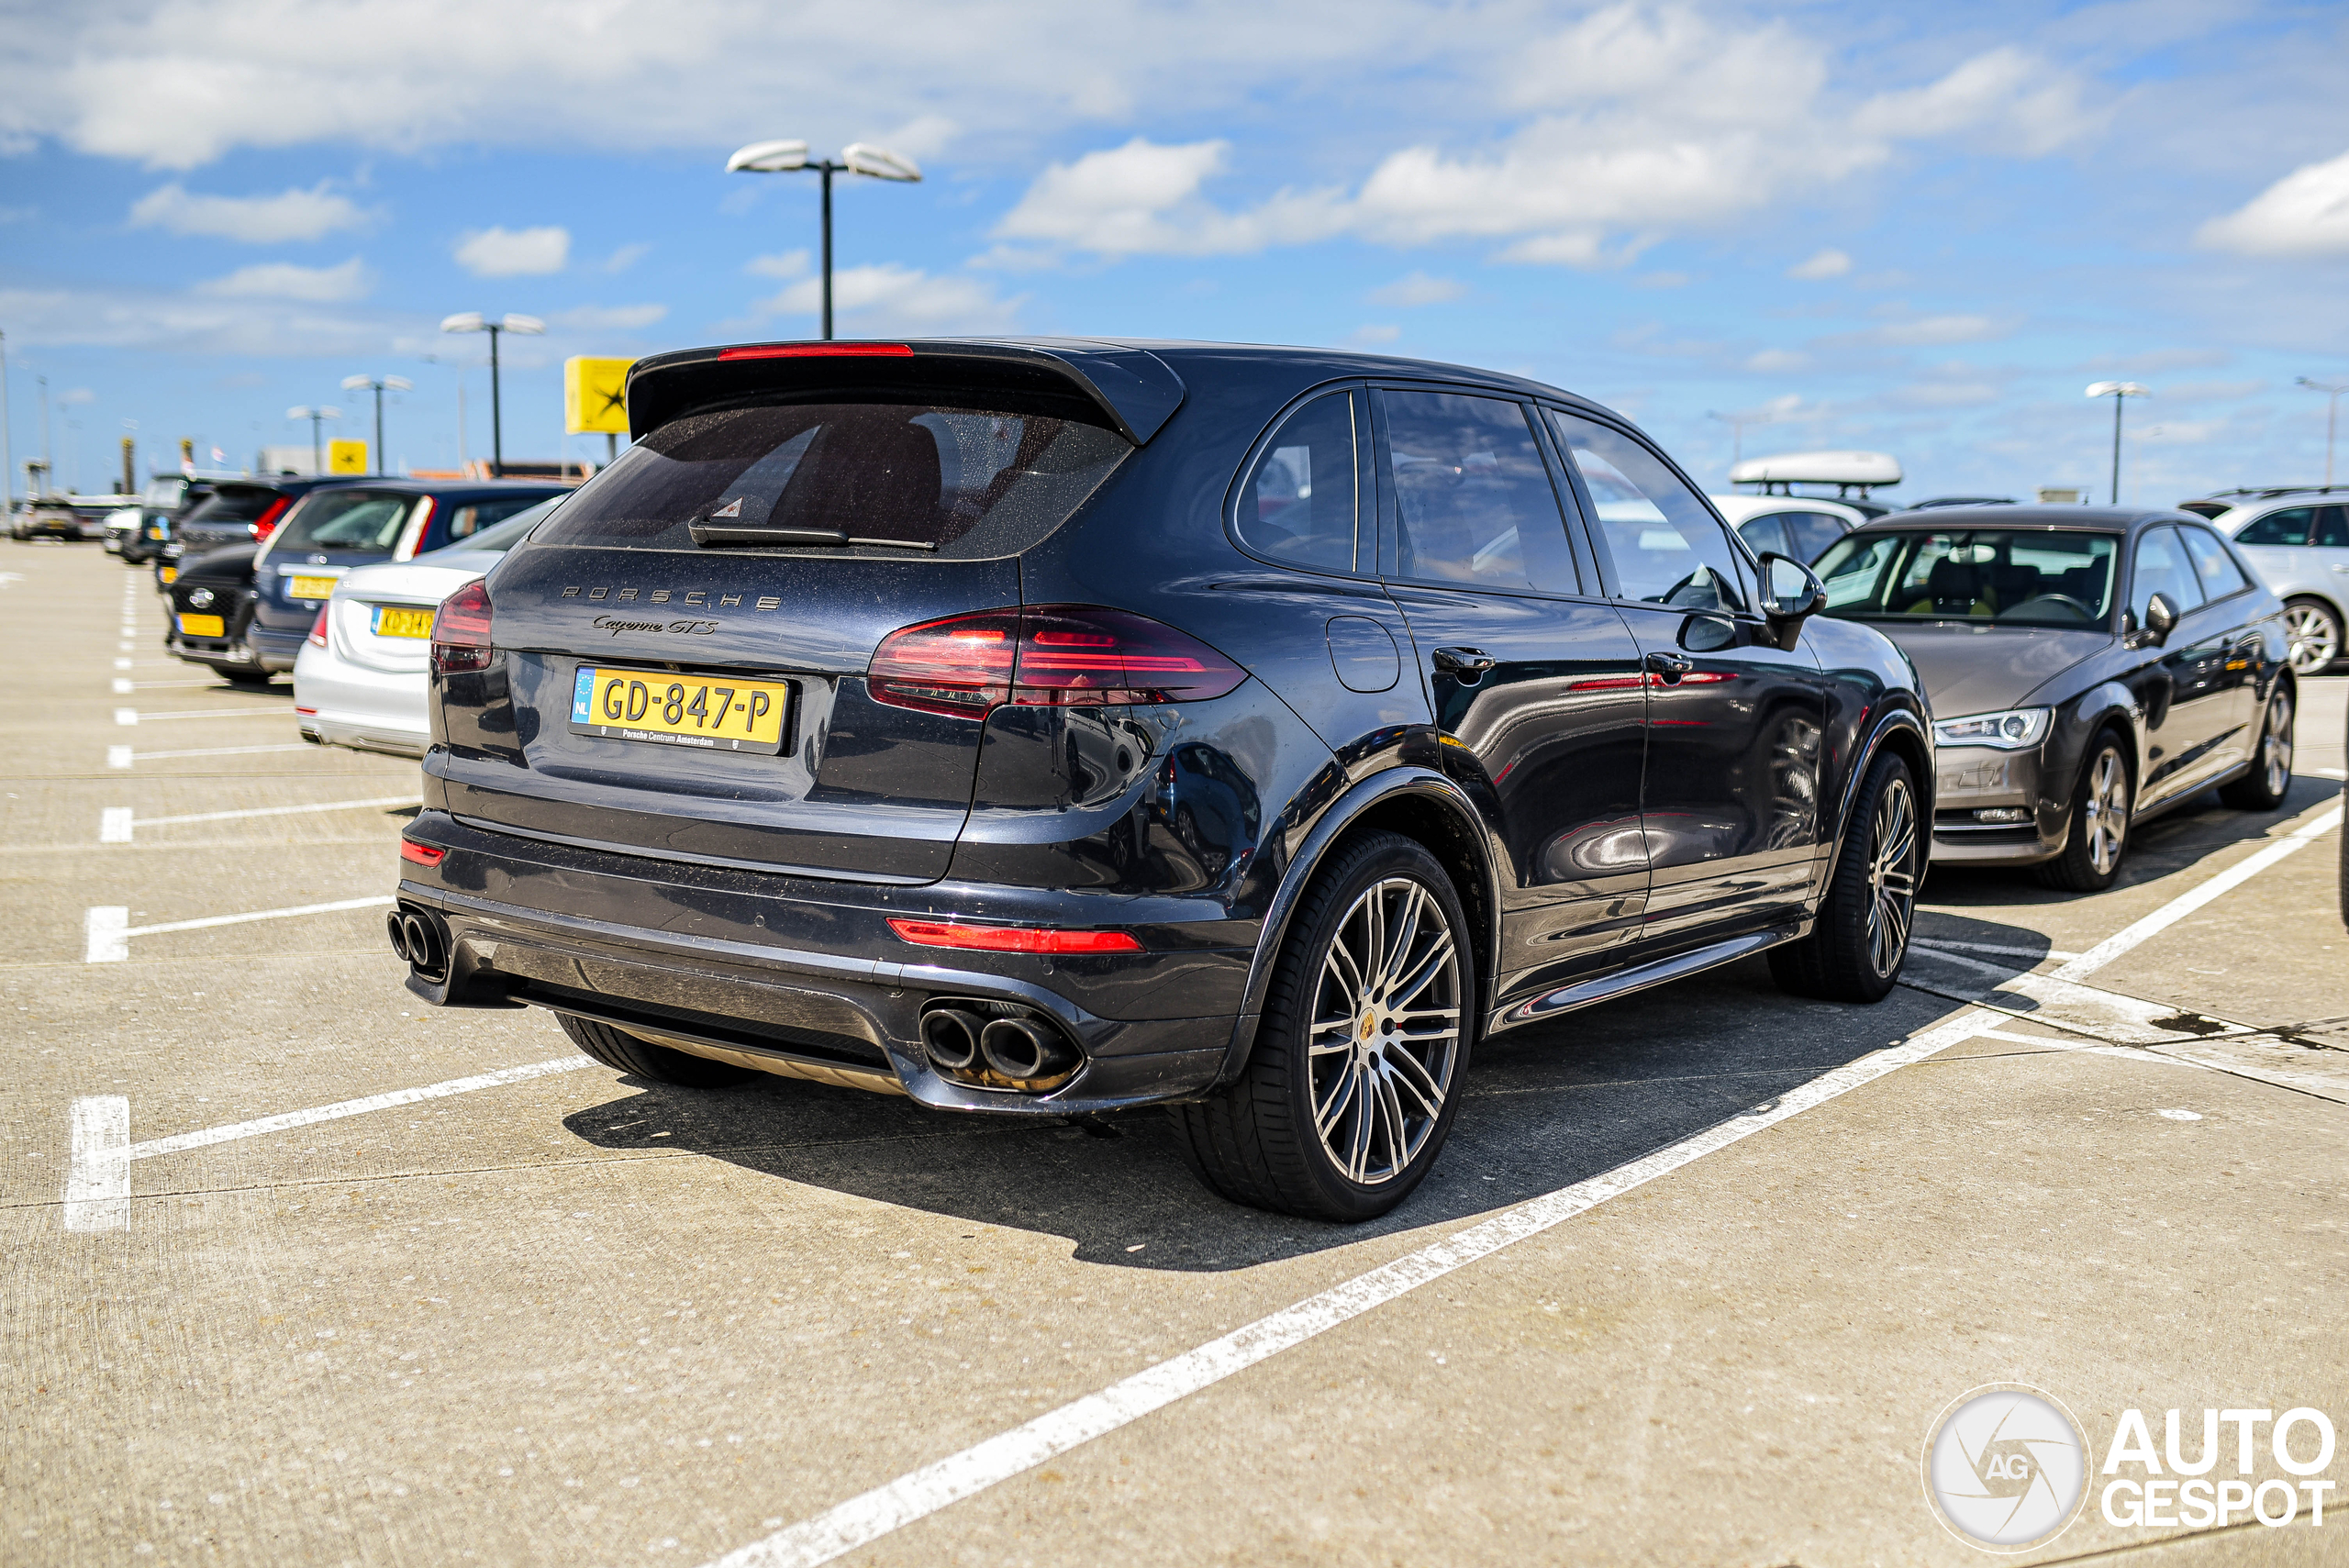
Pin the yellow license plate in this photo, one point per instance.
(716, 712)
(203, 626)
(170, 574)
(392, 621)
(311, 588)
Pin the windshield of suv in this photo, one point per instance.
(964, 481)
(330, 520)
(2011, 576)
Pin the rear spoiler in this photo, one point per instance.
(1132, 390)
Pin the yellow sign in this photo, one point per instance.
(346, 457)
(595, 395)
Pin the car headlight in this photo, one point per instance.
(2008, 732)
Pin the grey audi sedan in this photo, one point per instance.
(2087, 668)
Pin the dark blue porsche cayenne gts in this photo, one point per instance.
(1041, 726)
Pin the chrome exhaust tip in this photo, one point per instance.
(1023, 1050)
(950, 1036)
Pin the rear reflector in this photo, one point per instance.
(461, 631)
(1011, 938)
(1044, 656)
(817, 352)
(422, 854)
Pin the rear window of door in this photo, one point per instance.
(959, 481)
(2162, 568)
(1301, 503)
(345, 520)
(1473, 501)
(1812, 532)
(1667, 546)
(1764, 532)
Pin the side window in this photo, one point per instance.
(1851, 576)
(2333, 528)
(2213, 567)
(2289, 526)
(467, 521)
(1299, 504)
(1473, 501)
(1667, 546)
(2162, 568)
(1813, 533)
(1767, 531)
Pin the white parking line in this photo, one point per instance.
(123, 756)
(2185, 903)
(863, 1520)
(116, 822)
(108, 929)
(132, 715)
(97, 1183)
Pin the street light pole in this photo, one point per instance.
(2117, 391)
(2332, 390)
(315, 415)
(474, 321)
(857, 158)
(7, 452)
(378, 385)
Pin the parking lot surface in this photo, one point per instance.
(300, 1271)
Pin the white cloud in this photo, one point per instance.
(891, 299)
(1371, 336)
(1145, 198)
(257, 221)
(786, 264)
(1774, 362)
(2306, 213)
(154, 321)
(2005, 100)
(626, 256)
(1925, 330)
(514, 252)
(1828, 264)
(284, 280)
(75, 396)
(1418, 288)
(609, 317)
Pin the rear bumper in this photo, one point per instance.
(807, 968)
(367, 710)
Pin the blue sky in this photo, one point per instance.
(1919, 230)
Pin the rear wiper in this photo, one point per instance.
(708, 533)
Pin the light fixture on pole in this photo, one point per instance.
(2333, 390)
(317, 447)
(474, 321)
(856, 158)
(378, 385)
(2117, 391)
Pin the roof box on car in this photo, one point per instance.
(1846, 470)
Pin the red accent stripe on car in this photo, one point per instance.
(817, 352)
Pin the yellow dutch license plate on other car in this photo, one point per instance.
(170, 574)
(718, 713)
(390, 620)
(310, 587)
(203, 626)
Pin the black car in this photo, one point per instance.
(1049, 726)
(237, 512)
(211, 607)
(2087, 666)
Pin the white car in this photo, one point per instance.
(361, 680)
(2298, 540)
(1797, 526)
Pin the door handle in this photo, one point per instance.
(1467, 665)
(1671, 666)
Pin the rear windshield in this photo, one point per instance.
(234, 504)
(957, 480)
(2012, 576)
(354, 520)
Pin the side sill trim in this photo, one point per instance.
(1639, 977)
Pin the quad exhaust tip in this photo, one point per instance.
(420, 937)
(997, 1045)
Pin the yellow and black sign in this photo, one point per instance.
(346, 457)
(595, 395)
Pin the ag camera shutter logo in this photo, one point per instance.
(2006, 1467)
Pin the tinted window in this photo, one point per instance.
(2333, 528)
(2015, 577)
(1300, 502)
(234, 504)
(474, 516)
(2289, 526)
(1763, 533)
(329, 520)
(1473, 498)
(2162, 568)
(2215, 569)
(968, 481)
(1668, 546)
(1812, 532)
(505, 536)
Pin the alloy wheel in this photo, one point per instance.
(1386, 1033)
(2275, 743)
(1892, 876)
(2312, 635)
(2104, 814)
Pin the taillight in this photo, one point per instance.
(266, 524)
(1046, 656)
(461, 631)
(1011, 938)
(318, 628)
(422, 854)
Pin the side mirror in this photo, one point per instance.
(2160, 618)
(1791, 593)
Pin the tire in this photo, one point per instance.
(1389, 1104)
(2098, 841)
(1859, 939)
(624, 1053)
(2270, 778)
(2312, 630)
